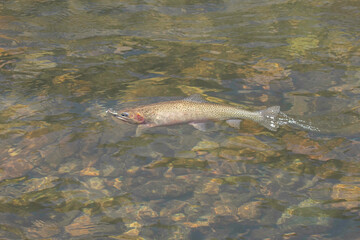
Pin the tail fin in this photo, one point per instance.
(270, 118)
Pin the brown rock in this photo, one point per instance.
(41, 229)
(178, 217)
(212, 187)
(348, 192)
(12, 168)
(223, 210)
(89, 171)
(80, 226)
(249, 210)
(146, 212)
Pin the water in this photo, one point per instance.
(69, 171)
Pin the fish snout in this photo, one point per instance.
(112, 112)
(123, 116)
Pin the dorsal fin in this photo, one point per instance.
(195, 98)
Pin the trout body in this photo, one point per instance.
(195, 111)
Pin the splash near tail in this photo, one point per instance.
(270, 118)
(299, 124)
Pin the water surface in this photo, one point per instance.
(69, 171)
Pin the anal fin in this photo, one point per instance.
(141, 128)
(199, 126)
(235, 123)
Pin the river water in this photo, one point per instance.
(70, 171)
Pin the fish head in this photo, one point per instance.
(127, 115)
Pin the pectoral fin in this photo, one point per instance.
(199, 126)
(235, 123)
(140, 129)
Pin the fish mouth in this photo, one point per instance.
(113, 113)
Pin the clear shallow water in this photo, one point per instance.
(69, 171)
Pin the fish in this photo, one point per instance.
(193, 110)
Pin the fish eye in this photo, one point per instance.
(124, 114)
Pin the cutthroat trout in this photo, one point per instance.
(193, 110)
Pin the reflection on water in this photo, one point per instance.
(69, 171)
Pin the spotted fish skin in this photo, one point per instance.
(195, 111)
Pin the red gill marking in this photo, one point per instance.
(139, 117)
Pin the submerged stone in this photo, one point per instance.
(173, 207)
(96, 183)
(12, 168)
(249, 210)
(159, 189)
(212, 187)
(205, 145)
(67, 167)
(178, 217)
(90, 171)
(348, 192)
(41, 229)
(80, 226)
(223, 210)
(38, 184)
(250, 142)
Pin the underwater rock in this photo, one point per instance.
(67, 167)
(159, 189)
(145, 212)
(38, 184)
(95, 183)
(80, 226)
(205, 145)
(89, 171)
(223, 210)
(211, 188)
(12, 168)
(178, 217)
(249, 210)
(173, 207)
(203, 221)
(41, 229)
(249, 142)
(348, 192)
